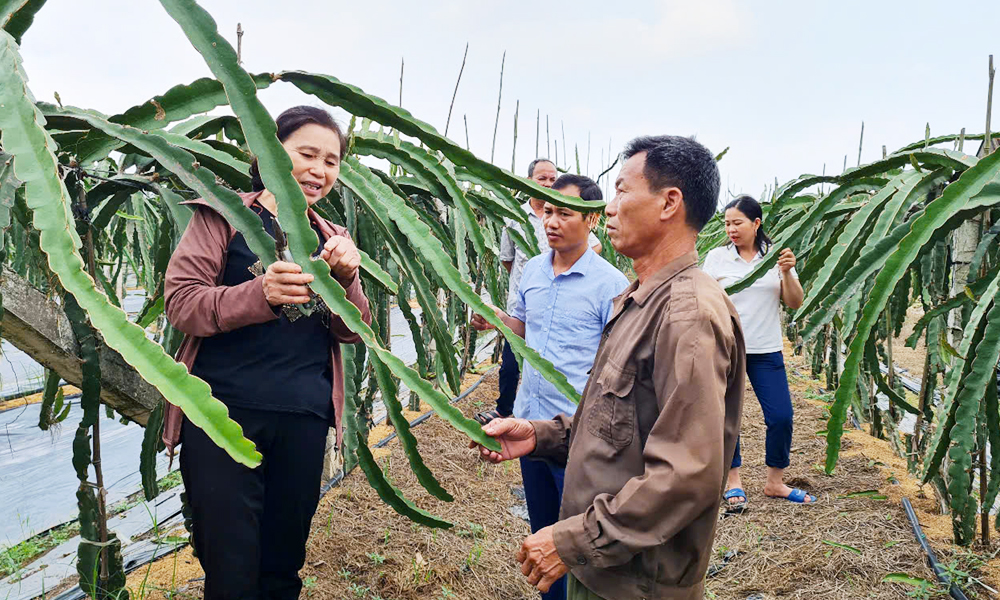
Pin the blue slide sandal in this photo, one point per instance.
(798, 496)
(735, 508)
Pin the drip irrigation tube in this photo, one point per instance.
(942, 576)
(381, 443)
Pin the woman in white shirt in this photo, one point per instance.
(758, 307)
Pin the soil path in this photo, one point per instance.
(842, 547)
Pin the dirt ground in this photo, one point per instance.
(842, 547)
(910, 359)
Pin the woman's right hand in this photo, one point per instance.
(285, 283)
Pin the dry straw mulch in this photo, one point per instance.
(360, 548)
(840, 548)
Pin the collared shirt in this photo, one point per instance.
(509, 252)
(652, 440)
(759, 305)
(563, 317)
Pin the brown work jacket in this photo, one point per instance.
(649, 447)
(199, 307)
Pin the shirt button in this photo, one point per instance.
(581, 560)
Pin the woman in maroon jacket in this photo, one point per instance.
(279, 373)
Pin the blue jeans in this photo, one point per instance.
(543, 488)
(510, 373)
(770, 384)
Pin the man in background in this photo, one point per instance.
(543, 172)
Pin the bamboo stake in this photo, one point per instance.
(984, 516)
(455, 93)
(239, 43)
(467, 145)
(989, 109)
(588, 154)
(538, 129)
(95, 459)
(961, 140)
(496, 124)
(513, 151)
(565, 147)
(861, 143)
(401, 61)
(557, 153)
(925, 393)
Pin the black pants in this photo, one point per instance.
(509, 376)
(251, 525)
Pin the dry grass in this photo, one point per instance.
(788, 550)
(361, 549)
(68, 390)
(359, 543)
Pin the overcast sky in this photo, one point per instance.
(784, 85)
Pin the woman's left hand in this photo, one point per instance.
(786, 260)
(343, 257)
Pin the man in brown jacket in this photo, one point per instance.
(647, 452)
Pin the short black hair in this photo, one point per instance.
(683, 163)
(589, 190)
(534, 163)
(291, 121)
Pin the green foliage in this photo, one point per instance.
(879, 241)
(389, 494)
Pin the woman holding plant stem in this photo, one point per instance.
(758, 307)
(277, 368)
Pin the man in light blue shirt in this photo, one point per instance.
(562, 304)
(543, 172)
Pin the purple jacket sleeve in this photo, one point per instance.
(195, 304)
(356, 296)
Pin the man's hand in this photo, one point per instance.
(285, 283)
(539, 560)
(516, 437)
(343, 257)
(481, 324)
(786, 260)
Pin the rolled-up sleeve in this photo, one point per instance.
(506, 244)
(683, 456)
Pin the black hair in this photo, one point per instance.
(682, 163)
(534, 163)
(291, 121)
(589, 190)
(751, 208)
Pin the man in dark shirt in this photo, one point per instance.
(649, 447)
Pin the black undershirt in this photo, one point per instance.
(281, 365)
